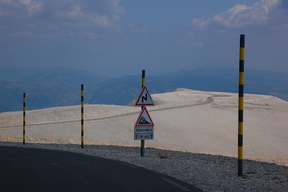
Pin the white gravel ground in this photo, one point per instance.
(195, 137)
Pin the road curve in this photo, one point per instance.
(208, 101)
(26, 169)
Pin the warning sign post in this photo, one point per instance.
(144, 126)
(144, 98)
(144, 119)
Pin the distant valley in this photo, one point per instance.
(61, 87)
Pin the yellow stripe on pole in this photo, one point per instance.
(143, 82)
(240, 128)
(241, 78)
(242, 53)
(240, 153)
(241, 103)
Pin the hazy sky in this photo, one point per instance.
(120, 37)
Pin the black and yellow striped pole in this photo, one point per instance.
(24, 117)
(142, 150)
(241, 104)
(82, 116)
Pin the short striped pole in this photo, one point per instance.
(82, 116)
(241, 104)
(142, 150)
(24, 117)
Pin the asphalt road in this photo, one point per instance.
(25, 169)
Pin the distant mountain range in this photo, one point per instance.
(56, 87)
(61, 87)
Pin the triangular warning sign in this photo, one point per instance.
(144, 119)
(144, 98)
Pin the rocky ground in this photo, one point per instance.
(205, 171)
(195, 137)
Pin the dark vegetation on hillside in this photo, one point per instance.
(61, 87)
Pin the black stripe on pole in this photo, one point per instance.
(82, 116)
(240, 140)
(240, 116)
(241, 90)
(24, 118)
(241, 104)
(143, 77)
(142, 150)
(240, 167)
(242, 40)
(241, 64)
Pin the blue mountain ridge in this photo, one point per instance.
(61, 87)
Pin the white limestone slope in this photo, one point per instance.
(185, 120)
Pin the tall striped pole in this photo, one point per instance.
(241, 104)
(82, 116)
(142, 151)
(24, 117)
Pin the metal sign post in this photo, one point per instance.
(142, 150)
(144, 126)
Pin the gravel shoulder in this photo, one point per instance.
(205, 171)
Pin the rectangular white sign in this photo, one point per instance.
(143, 133)
(143, 136)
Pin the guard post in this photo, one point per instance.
(241, 104)
(24, 117)
(82, 116)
